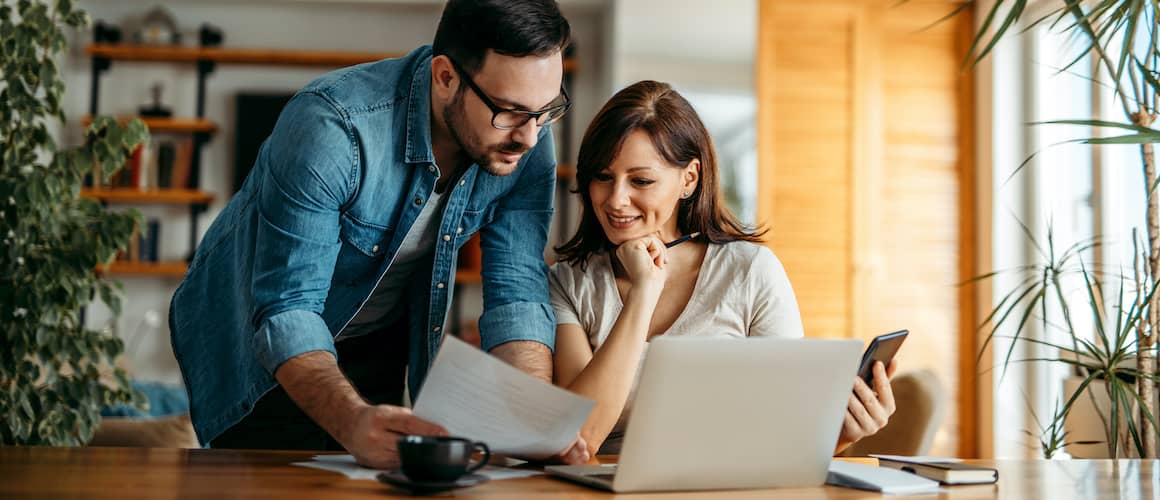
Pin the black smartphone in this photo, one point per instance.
(882, 348)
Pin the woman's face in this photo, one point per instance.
(639, 192)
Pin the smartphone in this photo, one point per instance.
(882, 348)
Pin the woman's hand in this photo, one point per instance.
(868, 410)
(644, 260)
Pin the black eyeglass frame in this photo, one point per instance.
(526, 115)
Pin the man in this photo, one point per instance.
(326, 279)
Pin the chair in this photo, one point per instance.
(920, 402)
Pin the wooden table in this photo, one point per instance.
(124, 473)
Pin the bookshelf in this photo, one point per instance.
(206, 58)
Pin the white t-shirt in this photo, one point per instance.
(741, 291)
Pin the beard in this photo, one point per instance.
(455, 116)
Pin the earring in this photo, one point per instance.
(685, 195)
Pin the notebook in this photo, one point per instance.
(871, 478)
(945, 471)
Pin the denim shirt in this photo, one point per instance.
(335, 188)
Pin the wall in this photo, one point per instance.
(389, 26)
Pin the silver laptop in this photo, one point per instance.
(726, 413)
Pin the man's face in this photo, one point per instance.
(521, 83)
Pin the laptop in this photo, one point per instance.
(726, 413)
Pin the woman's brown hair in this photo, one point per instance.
(679, 136)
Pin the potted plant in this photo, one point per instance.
(51, 366)
(1100, 415)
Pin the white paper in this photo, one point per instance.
(479, 397)
(917, 459)
(345, 465)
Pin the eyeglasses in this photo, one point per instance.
(506, 118)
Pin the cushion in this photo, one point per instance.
(174, 431)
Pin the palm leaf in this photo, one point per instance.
(1002, 319)
(1008, 21)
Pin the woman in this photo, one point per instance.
(647, 173)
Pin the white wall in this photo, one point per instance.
(318, 24)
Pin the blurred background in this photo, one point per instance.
(886, 167)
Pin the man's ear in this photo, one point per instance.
(444, 79)
(691, 176)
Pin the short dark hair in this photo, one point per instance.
(680, 137)
(517, 28)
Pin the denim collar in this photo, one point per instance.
(419, 115)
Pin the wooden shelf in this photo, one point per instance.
(285, 57)
(565, 171)
(155, 124)
(280, 57)
(163, 196)
(148, 268)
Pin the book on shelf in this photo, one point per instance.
(166, 151)
(947, 471)
(147, 241)
(182, 158)
(143, 244)
(165, 164)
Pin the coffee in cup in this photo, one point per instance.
(439, 459)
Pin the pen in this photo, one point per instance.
(682, 239)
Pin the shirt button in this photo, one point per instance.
(375, 249)
(436, 329)
(431, 168)
(418, 200)
(462, 182)
(439, 285)
(459, 230)
(447, 237)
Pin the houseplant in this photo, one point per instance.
(51, 366)
(1121, 37)
(1102, 389)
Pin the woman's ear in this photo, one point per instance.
(691, 176)
(444, 79)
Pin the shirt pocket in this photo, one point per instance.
(472, 221)
(363, 247)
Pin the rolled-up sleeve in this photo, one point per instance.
(515, 277)
(310, 170)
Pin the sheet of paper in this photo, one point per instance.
(476, 396)
(917, 459)
(345, 465)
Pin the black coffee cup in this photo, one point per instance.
(439, 459)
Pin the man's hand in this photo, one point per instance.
(374, 436)
(369, 432)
